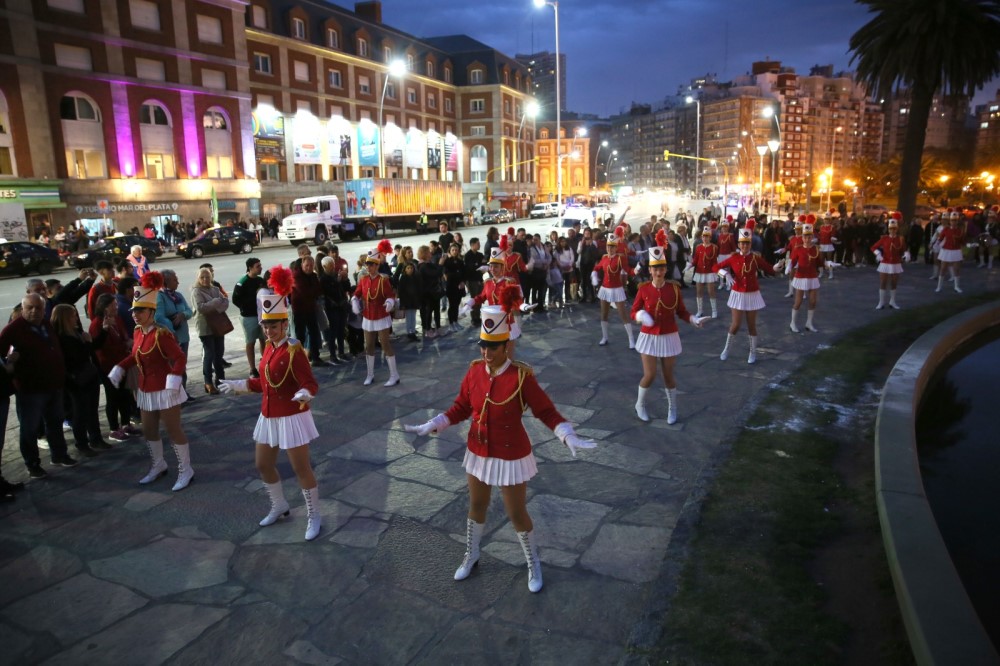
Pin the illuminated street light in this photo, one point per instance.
(530, 111)
(697, 139)
(597, 153)
(761, 150)
(397, 68)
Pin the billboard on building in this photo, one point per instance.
(433, 150)
(452, 148)
(307, 139)
(415, 155)
(13, 223)
(338, 136)
(368, 143)
(268, 135)
(395, 143)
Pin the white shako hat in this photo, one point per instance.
(495, 328)
(496, 256)
(274, 306)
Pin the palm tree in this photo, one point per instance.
(925, 46)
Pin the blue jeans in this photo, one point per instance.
(34, 409)
(214, 347)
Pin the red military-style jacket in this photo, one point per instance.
(727, 243)
(496, 405)
(826, 234)
(613, 266)
(807, 261)
(284, 369)
(156, 353)
(793, 242)
(514, 264)
(952, 238)
(892, 248)
(373, 292)
(744, 268)
(705, 257)
(664, 304)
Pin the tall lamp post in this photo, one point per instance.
(761, 150)
(397, 68)
(530, 110)
(697, 139)
(773, 144)
(597, 153)
(555, 8)
(833, 145)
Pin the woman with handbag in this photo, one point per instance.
(454, 279)
(83, 379)
(112, 346)
(211, 307)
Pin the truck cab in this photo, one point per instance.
(313, 218)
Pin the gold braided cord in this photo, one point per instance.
(487, 401)
(378, 288)
(288, 370)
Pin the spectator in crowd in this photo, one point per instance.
(106, 285)
(124, 291)
(111, 345)
(454, 278)
(173, 313)
(475, 261)
(407, 282)
(7, 489)
(335, 305)
(207, 299)
(587, 258)
(539, 261)
(430, 273)
(306, 293)
(245, 298)
(138, 262)
(83, 379)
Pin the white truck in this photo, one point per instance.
(369, 205)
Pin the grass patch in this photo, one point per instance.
(746, 594)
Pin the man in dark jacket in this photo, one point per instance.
(245, 298)
(474, 261)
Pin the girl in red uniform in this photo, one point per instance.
(285, 422)
(657, 306)
(705, 256)
(826, 241)
(375, 300)
(806, 262)
(613, 264)
(745, 297)
(794, 242)
(727, 245)
(890, 253)
(951, 239)
(490, 295)
(495, 393)
(161, 392)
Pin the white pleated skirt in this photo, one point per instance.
(706, 278)
(805, 284)
(285, 432)
(949, 256)
(515, 330)
(376, 324)
(745, 301)
(660, 346)
(890, 269)
(826, 247)
(500, 472)
(615, 295)
(154, 401)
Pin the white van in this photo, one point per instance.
(573, 214)
(313, 219)
(550, 209)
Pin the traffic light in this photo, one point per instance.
(666, 155)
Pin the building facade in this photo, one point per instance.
(541, 68)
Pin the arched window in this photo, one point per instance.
(8, 166)
(218, 144)
(157, 140)
(477, 163)
(83, 136)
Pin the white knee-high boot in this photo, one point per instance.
(184, 471)
(698, 301)
(725, 350)
(809, 321)
(393, 373)
(313, 519)
(370, 360)
(279, 505)
(473, 534)
(671, 406)
(527, 541)
(640, 405)
(631, 336)
(604, 333)
(892, 299)
(940, 278)
(881, 299)
(752, 358)
(159, 466)
(715, 309)
(957, 288)
(795, 329)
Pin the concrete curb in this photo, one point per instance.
(940, 621)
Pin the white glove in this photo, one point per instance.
(779, 264)
(466, 306)
(302, 396)
(788, 268)
(355, 305)
(595, 279)
(723, 274)
(390, 304)
(174, 382)
(878, 256)
(564, 431)
(116, 375)
(906, 256)
(530, 265)
(484, 269)
(528, 307)
(234, 386)
(780, 250)
(643, 318)
(437, 424)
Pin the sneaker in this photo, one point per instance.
(84, 451)
(67, 426)
(412, 337)
(43, 443)
(64, 461)
(36, 472)
(101, 445)
(131, 430)
(118, 436)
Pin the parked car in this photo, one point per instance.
(216, 240)
(117, 247)
(923, 211)
(499, 216)
(874, 210)
(587, 217)
(550, 209)
(22, 257)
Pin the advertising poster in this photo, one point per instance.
(415, 155)
(338, 132)
(268, 135)
(451, 152)
(395, 142)
(367, 143)
(306, 139)
(359, 198)
(433, 150)
(13, 224)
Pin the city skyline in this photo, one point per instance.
(599, 37)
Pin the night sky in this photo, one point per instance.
(620, 51)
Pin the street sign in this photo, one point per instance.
(102, 206)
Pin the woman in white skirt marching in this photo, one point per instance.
(805, 263)
(495, 393)
(612, 288)
(705, 256)
(745, 298)
(656, 308)
(951, 239)
(375, 300)
(285, 422)
(890, 253)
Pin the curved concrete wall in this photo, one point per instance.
(942, 625)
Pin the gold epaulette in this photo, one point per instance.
(523, 367)
(476, 362)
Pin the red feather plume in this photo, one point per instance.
(620, 232)
(896, 215)
(384, 246)
(509, 297)
(802, 218)
(280, 280)
(751, 223)
(661, 237)
(810, 219)
(510, 231)
(503, 244)
(152, 280)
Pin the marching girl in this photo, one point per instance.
(745, 299)
(705, 256)
(513, 261)
(727, 245)
(657, 306)
(950, 239)
(795, 242)
(285, 422)
(375, 300)
(612, 290)
(826, 242)
(493, 286)
(805, 262)
(161, 393)
(495, 393)
(890, 253)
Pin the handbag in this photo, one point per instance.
(218, 323)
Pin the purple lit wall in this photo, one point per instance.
(192, 132)
(123, 129)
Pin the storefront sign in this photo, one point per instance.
(130, 208)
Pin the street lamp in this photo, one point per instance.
(530, 109)
(397, 68)
(573, 155)
(773, 146)
(761, 150)
(555, 9)
(597, 153)
(697, 139)
(829, 171)
(607, 164)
